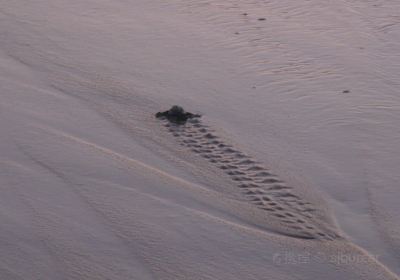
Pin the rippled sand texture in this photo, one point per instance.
(290, 173)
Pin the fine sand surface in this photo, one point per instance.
(291, 173)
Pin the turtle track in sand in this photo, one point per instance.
(257, 183)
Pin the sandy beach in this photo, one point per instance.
(291, 172)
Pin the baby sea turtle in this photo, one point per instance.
(176, 115)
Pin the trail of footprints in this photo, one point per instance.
(261, 187)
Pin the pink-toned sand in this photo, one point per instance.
(291, 173)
